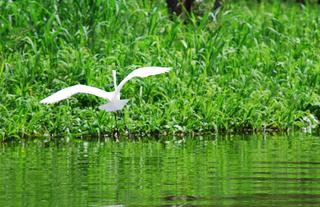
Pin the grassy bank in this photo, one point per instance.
(257, 66)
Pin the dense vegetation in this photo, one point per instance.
(254, 66)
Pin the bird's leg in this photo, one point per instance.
(116, 132)
(125, 125)
(115, 119)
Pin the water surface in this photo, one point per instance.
(215, 171)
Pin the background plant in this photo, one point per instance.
(254, 66)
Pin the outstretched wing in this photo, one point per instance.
(67, 92)
(141, 72)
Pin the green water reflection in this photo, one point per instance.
(230, 171)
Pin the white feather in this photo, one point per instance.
(114, 97)
(141, 73)
(72, 90)
(114, 106)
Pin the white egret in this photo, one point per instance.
(115, 103)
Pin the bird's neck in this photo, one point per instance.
(114, 74)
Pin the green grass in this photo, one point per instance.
(257, 66)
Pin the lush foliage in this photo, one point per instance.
(254, 66)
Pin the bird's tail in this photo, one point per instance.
(114, 105)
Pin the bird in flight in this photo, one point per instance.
(115, 103)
